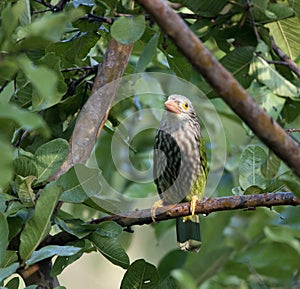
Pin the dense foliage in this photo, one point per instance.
(48, 58)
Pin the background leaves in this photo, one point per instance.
(47, 67)
(127, 30)
(39, 225)
(140, 274)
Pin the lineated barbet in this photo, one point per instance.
(180, 166)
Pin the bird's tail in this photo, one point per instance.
(188, 233)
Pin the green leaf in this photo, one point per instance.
(4, 237)
(23, 118)
(279, 266)
(4, 200)
(269, 101)
(206, 8)
(50, 26)
(53, 62)
(269, 76)
(49, 157)
(177, 61)
(286, 34)
(7, 92)
(25, 166)
(271, 166)
(75, 50)
(25, 17)
(6, 272)
(109, 229)
(179, 65)
(237, 62)
(253, 190)
(284, 235)
(184, 279)
(13, 283)
(291, 181)
(141, 275)
(50, 251)
(81, 229)
(172, 260)
(111, 250)
(127, 30)
(147, 53)
(281, 11)
(168, 283)
(24, 190)
(44, 80)
(38, 226)
(6, 164)
(10, 257)
(10, 17)
(61, 262)
(79, 183)
(251, 160)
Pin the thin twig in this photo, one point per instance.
(4, 85)
(282, 55)
(54, 8)
(291, 130)
(277, 62)
(72, 86)
(20, 139)
(252, 20)
(79, 68)
(110, 20)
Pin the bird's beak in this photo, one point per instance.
(172, 106)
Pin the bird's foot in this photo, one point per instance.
(194, 202)
(154, 207)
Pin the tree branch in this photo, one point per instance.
(143, 217)
(54, 8)
(289, 62)
(249, 202)
(249, 8)
(95, 111)
(225, 84)
(291, 130)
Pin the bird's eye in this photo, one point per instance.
(185, 106)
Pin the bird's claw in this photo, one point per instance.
(194, 202)
(154, 207)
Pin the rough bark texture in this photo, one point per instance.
(225, 84)
(143, 217)
(94, 113)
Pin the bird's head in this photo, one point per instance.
(180, 105)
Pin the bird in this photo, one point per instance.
(180, 166)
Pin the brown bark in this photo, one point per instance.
(225, 84)
(250, 202)
(94, 113)
(143, 217)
